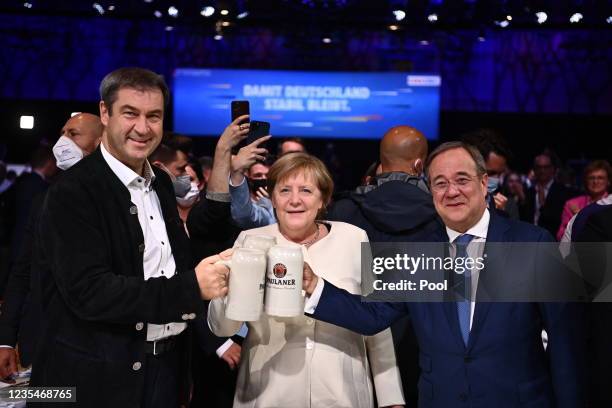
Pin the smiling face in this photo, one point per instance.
(597, 182)
(135, 127)
(297, 200)
(459, 193)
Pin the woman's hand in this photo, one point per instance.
(234, 133)
(309, 281)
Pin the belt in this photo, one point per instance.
(160, 346)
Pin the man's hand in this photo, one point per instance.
(261, 193)
(249, 154)
(213, 279)
(8, 362)
(500, 201)
(309, 281)
(234, 133)
(232, 356)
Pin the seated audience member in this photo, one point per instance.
(544, 200)
(290, 145)
(496, 152)
(597, 176)
(251, 206)
(21, 314)
(295, 361)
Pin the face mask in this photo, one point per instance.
(493, 184)
(190, 198)
(66, 153)
(182, 185)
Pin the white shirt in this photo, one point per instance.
(475, 249)
(157, 257)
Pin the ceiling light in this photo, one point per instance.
(541, 16)
(609, 20)
(242, 15)
(327, 40)
(173, 11)
(218, 37)
(26, 122)
(98, 8)
(575, 18)
(509, 17)
(157, 14)
(393, 27)
(207, 11)
(432, 18)
(399, 14)
(224, 12)
(169, 28)
(27, 5)
(225, 23)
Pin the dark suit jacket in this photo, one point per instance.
(504, 364)
(595, 260)
(93, 289)
(550, 213)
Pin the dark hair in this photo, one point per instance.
(552, 156)
(163, 154)
(41, 156)
(131, 77)
(488, 141)
(206, 162)
(297, 140)
(178, 142)
(479, 163)
(195, 165)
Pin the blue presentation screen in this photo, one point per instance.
(307, 104)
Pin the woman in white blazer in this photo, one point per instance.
(300, 362)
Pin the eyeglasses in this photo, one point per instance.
(460, 183)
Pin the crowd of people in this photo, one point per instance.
(110, 281)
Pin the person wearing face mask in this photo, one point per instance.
(396, 206)
(496, 153)
(20, 318)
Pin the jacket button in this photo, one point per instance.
(133, 210)
(141, 248)
(139, 326)
(192, 316)
(463, 397)
(136, 366)
(185, 316)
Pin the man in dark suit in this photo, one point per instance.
(20, 318)
(474, 354)
(118, 289)
(545, 200)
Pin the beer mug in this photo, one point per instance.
(284, 281)
(246, 284)
(260, 241)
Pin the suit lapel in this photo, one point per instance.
(495, 234)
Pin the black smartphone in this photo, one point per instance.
(257, 183)
(257, 130)
(240, 108)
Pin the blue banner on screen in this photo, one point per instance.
(307, 104)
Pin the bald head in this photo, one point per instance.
(85, 129)
(403, 148)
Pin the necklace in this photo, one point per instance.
(314, 239)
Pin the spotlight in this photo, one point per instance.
(503, 23)
(27, 5)
(207, 11)
(399, 14)
(224, 12)
(218, 37)
(148, 1)
(225, 23)
(541, 16)
(157, 14)
(424, 42)
(393, 27)
(242, 15)
(26, 122)
(433, 17)
(111, 8)
(327, 40)
(173, 11)
(509, 17)
(575, 18)
(481, 38)
(98, 8)
(169, 28)
(609, 20)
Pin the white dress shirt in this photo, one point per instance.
(157, 257)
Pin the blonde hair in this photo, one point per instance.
(292, 163)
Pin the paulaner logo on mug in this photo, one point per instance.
(279, 270)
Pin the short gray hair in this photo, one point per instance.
(131, 77)
(479, 162)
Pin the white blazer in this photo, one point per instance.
(300, 362)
